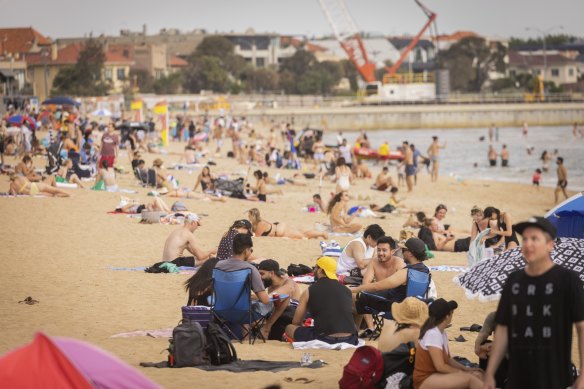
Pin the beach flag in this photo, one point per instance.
(161, 110)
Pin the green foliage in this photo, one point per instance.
(85, 77)
(170, 84)
(302, 74)
(351, 73)
(299, 63)
(550, 40)
(205, 73)
(470, 60)
(143, 79)
(259, 80)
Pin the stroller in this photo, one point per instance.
(54, 156)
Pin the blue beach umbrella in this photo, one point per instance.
(61, 100)
(17, 120)
(568, 217)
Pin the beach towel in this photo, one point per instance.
(308, 279)
(459, 269)
(325, 227)
(476, 251)
(247, 366)
(319, 344)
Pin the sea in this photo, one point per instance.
(465, 155)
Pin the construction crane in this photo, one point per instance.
(347, 33)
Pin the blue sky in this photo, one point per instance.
(61, 18)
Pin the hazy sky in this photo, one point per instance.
(62, 18)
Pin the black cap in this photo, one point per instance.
(440, 308)
(269, 265)
(416, 246)
(538, 222)
(243, 223)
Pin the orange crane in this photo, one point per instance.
(348, 35)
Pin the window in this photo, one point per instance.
(555, 72)
(260, 62)
(121, 74)
(108, 74)
(571, 72)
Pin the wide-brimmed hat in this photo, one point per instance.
(329, 265)
(410, 311)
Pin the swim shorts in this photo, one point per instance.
(410, 170)
(563, 184)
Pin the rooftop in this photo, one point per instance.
(68, 55)
(20, 40)
(529, 60)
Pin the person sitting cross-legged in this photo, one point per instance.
(330, 306)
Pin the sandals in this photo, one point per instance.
(29, 301)
(472, 328)
(300, 380)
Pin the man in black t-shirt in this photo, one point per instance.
(330, 306)
(538, 307)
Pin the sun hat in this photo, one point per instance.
(329, 265)
(158, 162)
(410, 311)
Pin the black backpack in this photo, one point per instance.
(187, 345)
(400, 360)
(219, 348)
(298, 270)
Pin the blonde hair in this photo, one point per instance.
(254, 217)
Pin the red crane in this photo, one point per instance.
(347, 34)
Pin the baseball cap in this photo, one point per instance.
(269, 265)
(329, 265)
(537, 222)
(415, 245)
(440, 308)
(192, 217)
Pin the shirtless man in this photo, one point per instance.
(446, 241)
(434, 154)
(409, 163)
(183, 239)
(492, 156)
(385, 265)
(25, 169)
(383, 180)
(562, 179)
(504, 156)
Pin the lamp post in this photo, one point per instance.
(544, 34)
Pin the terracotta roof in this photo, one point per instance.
(177, 62)
(458, 35)
(20, 40)
(68, 56)
(297, 43)
(528, 60)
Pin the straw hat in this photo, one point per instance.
(410, 311)
(158, 162)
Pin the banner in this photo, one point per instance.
(161, 111)
(136, 107)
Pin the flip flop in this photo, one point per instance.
(29, 301)
(460, 338)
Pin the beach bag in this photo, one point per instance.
(187, 346)
(298, 270)
(400, 360)
(364, 370)
(219, 350)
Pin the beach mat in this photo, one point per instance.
(182, 269)
(246, 366)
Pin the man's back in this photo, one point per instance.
(175, 244)
(539, 313)
(330, 304)
(231, 264)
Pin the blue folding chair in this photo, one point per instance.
(232, 304)
(417, 286)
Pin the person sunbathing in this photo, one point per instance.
(444, 241)
(383, 180)
(25, 169)
(338, 212)
(205, 179)
(184, 239)
(22, 186)
(66, 174)
(261, 188)
(132, 206)
(262, 227)
(106, 174)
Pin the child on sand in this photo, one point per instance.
(536, 178)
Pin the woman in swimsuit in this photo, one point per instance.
(66, 174)
(339, 218)
(261, 227)
(479, 223)
(494, 239)
(206, 180)
(108, 176)
(261, 188)
(343, 175)
(506, 228)
(22, 186)
(132, 206)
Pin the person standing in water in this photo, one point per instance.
(504, 156)
(562, 180)
(434, 154)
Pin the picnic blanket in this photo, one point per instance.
(318, 344)
(181, 269)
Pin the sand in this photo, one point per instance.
(60, 250)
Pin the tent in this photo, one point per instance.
(67, 363)
(568, 217)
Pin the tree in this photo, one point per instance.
(470, 60)
(259, 80)
(170, 84)
(143, 80)
(223, 49)
(85, 77)
(299, 63)
(205, 72)
(351, 73)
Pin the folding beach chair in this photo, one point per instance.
(232, 304)
(417, 286)
(146, 177)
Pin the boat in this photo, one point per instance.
(367, 153)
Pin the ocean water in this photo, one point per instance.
(464, 150)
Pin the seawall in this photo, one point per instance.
(427, 116)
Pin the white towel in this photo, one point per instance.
(323, 345)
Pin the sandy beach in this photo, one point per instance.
(60, 251)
